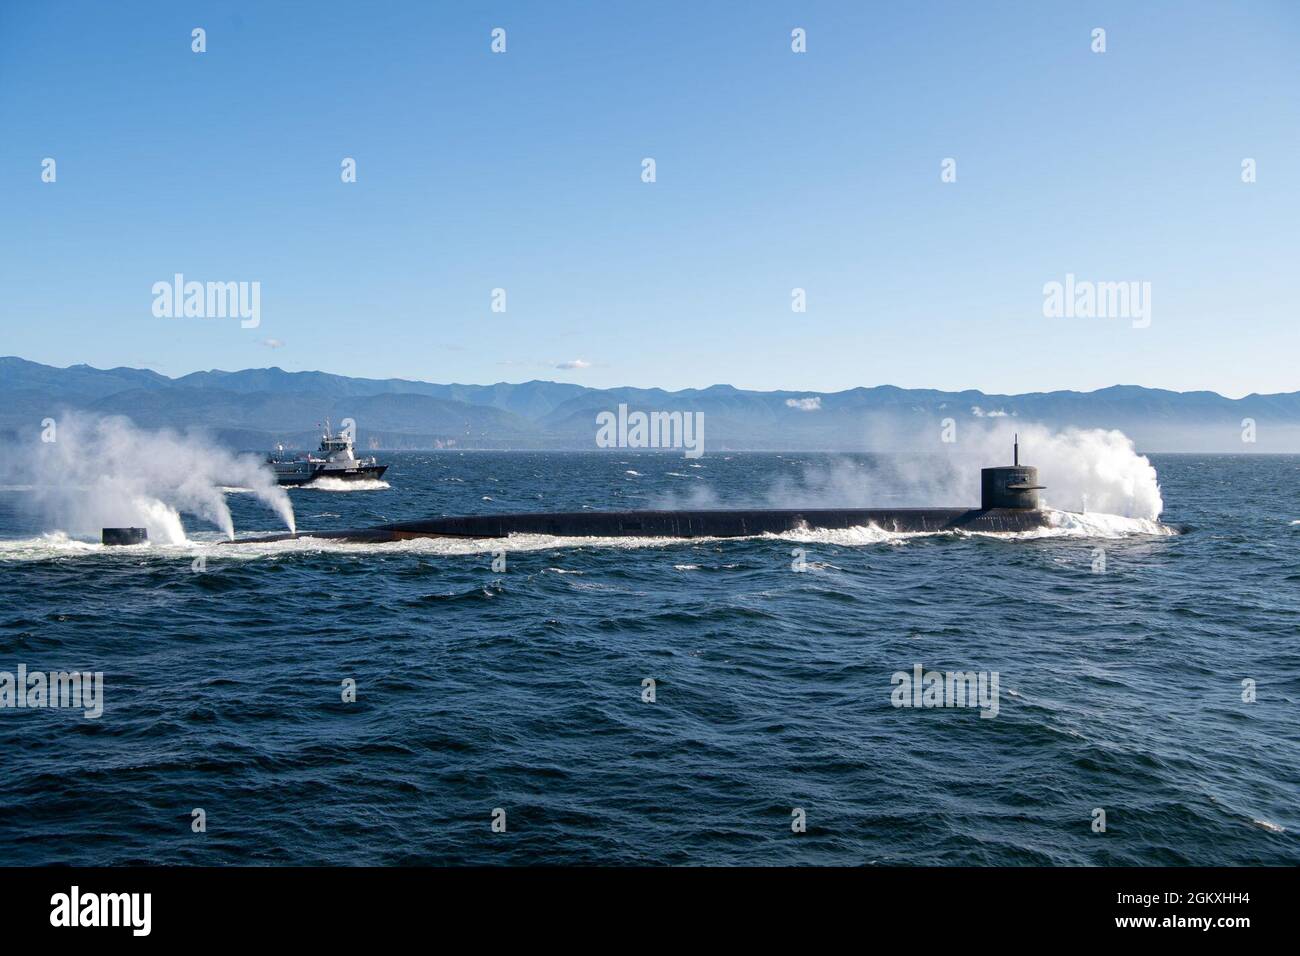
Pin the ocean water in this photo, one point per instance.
(522, 688)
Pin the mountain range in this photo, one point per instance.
(255, 409)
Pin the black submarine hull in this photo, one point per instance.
(729, 523)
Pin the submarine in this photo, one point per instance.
(1008, 503)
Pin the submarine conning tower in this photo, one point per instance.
(1015, 487)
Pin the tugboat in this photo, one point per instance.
(334, 459)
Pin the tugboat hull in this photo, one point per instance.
(364, 473)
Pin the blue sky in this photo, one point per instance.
(775, 170)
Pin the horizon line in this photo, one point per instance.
(610, 388)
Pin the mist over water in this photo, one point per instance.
(107, 472)
(1093, 469)
(1084, 470)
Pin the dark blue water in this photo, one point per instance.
(522, 689)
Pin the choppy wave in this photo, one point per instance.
(50, 545)
(1062, 524)
(853, 537)
(342, 484)
(1095, 524)
(59, 544)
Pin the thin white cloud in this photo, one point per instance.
(574, 363)
(272, 343)
(813, 404)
